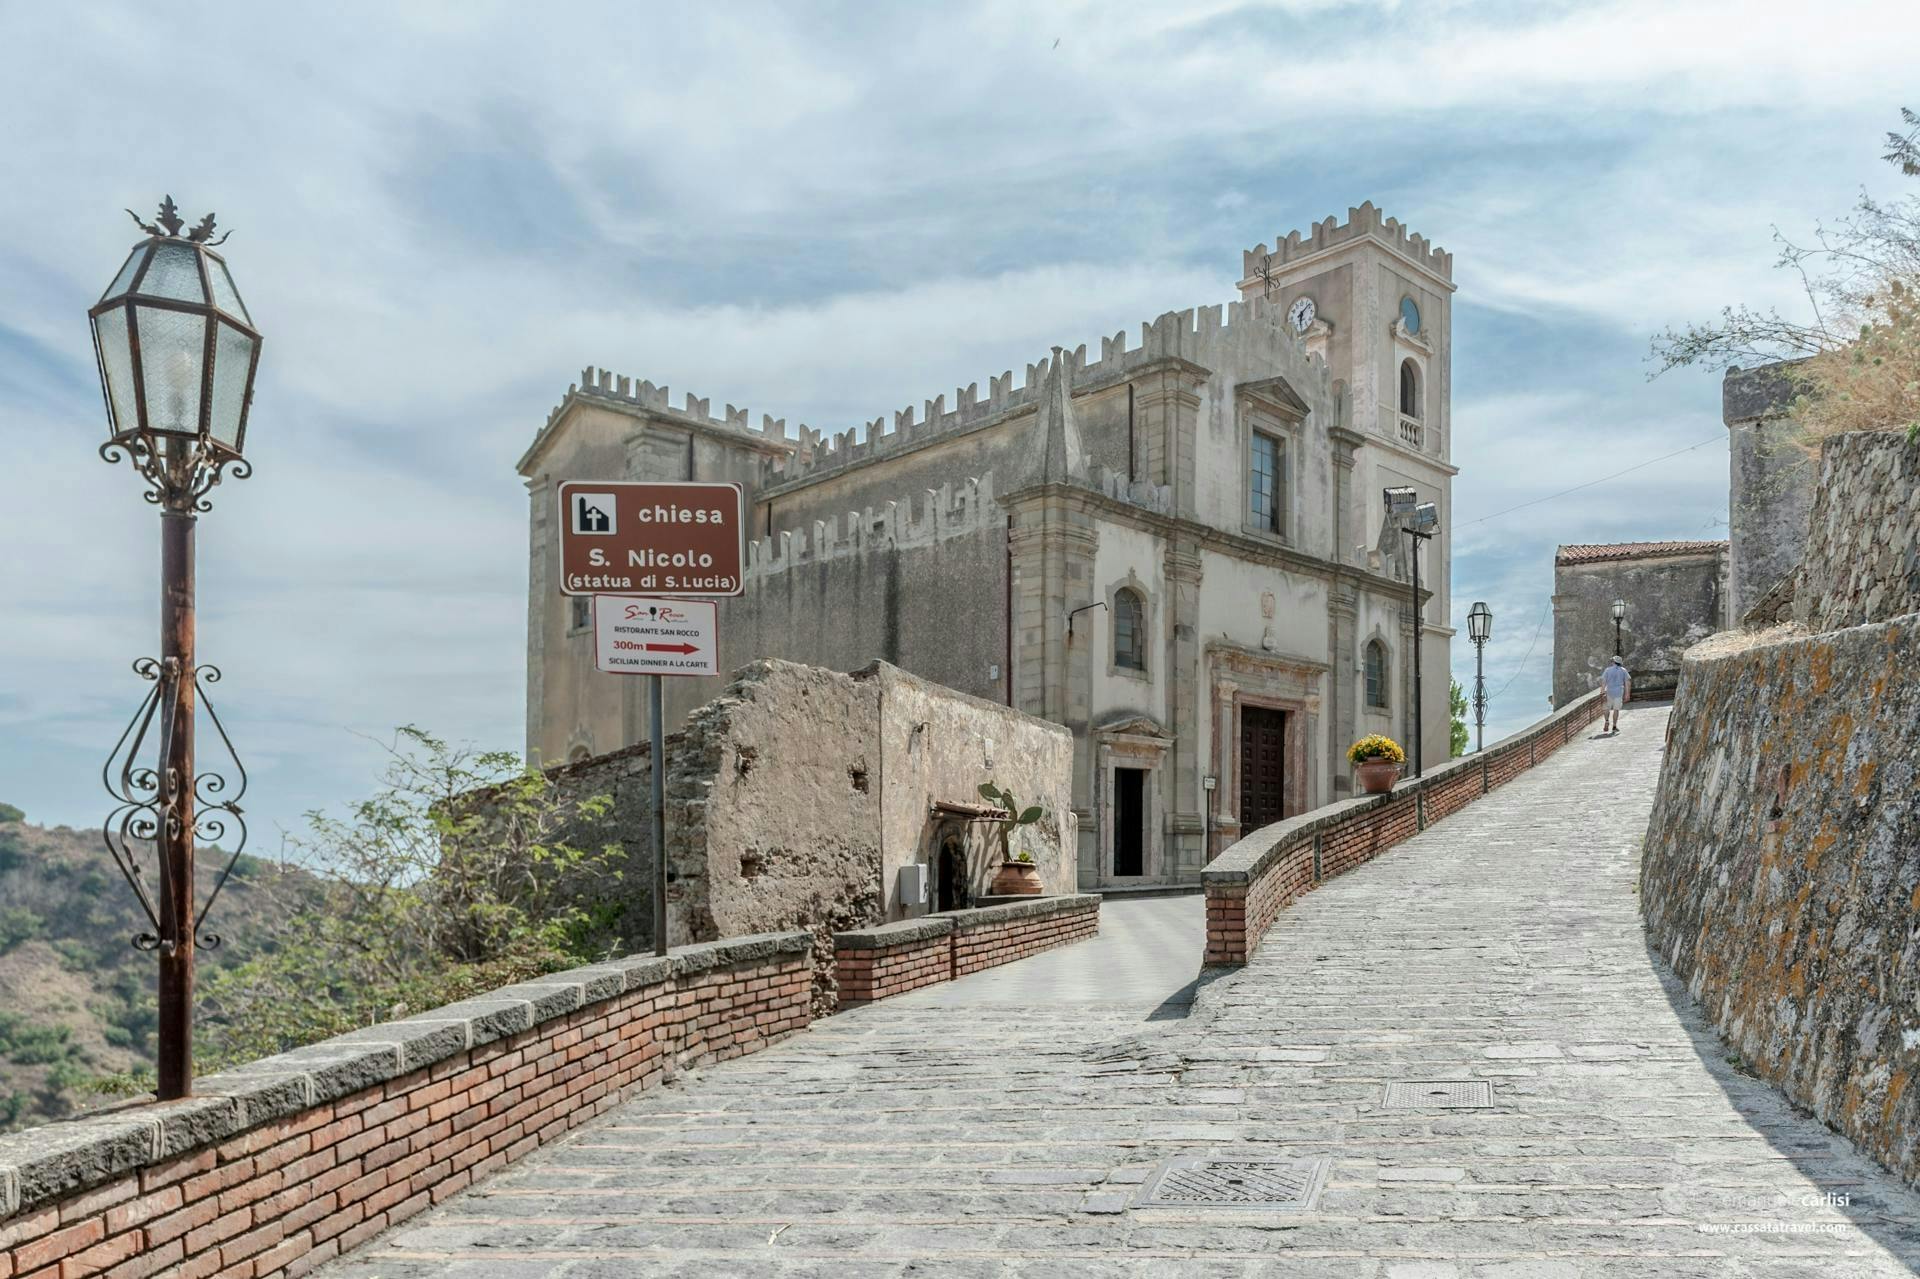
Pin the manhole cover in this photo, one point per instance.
(1438, 1093)
(1209, 1182)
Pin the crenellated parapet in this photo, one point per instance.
(1199, 335)
(602, 384)
(949, 511)
(1330, 233)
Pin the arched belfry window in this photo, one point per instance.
(1376, 674)
(1409, 388)
(1129, 630)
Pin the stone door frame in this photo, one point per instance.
(1136, 742)
(1239, 678)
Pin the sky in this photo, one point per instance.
(441, 213)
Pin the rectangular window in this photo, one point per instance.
(1129, 821)
(1265, 485)
(582, 612)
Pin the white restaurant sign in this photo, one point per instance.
(635, 636)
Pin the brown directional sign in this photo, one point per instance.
(619, 538)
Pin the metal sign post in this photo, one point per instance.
(656, 637)
(658, 757)
(640, 549)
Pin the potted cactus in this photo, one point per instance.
(1018, 876)
(1377, 760)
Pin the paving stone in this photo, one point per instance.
(1001, 1124)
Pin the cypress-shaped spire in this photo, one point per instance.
(1065, 460)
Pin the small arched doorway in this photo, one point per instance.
(950, 875)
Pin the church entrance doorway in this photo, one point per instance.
(1129, 822)
(1263, 735)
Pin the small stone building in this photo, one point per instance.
(1175, 545)
(798, 795)
(1676, 595)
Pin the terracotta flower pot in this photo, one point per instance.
(1016, 879)
(1377, 776)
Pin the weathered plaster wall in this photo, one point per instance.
(794, 798)
(938, 746)
(1862, 561)
(1770, 482)
(1781, 875)
(1673, 602)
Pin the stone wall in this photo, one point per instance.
(1770, 482)
(1250, 883)
(283, 1163)
(1676, 597)
(1862, 561)
(1781, 876)
(796, 796)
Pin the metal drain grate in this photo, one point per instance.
(1291, 1185)
(1445, 1094)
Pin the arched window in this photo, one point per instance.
(1409, 389)
(1376, 674)
(1129, 630)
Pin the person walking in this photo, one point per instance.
(1618, 682)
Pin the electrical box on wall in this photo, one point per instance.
(913, 885)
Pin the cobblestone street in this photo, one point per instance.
(1007, 1123)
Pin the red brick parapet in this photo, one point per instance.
(277, 1166)
(876, 963)
(1249, 884)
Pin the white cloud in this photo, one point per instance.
(443, 212)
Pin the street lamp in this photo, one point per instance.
(1479, 630)
(1419, 521)
(1619, 616)
(177, 352)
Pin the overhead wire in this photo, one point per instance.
(1521, 666)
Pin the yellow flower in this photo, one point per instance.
(1374, 746)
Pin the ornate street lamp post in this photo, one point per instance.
(177, 352)
(1619, 616)
(1479, 630)
(1419, 521)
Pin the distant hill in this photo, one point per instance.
(76, 999)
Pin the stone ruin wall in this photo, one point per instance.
(794, 796)
(1781, 869)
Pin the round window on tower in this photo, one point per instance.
(1410, 315)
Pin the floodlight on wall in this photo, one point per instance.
(1426, 517)
(1400, 502)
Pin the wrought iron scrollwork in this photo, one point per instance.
(179, 482)
(148, 802)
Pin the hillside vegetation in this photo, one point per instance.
(76, 999)
(456, 876)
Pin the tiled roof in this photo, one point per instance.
(1593, 553)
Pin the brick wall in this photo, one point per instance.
(1252, 881)
(278, 1166)
(982, 939)
(876, 963)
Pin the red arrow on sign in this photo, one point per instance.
(672, 648)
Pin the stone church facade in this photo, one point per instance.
(1177, 549)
